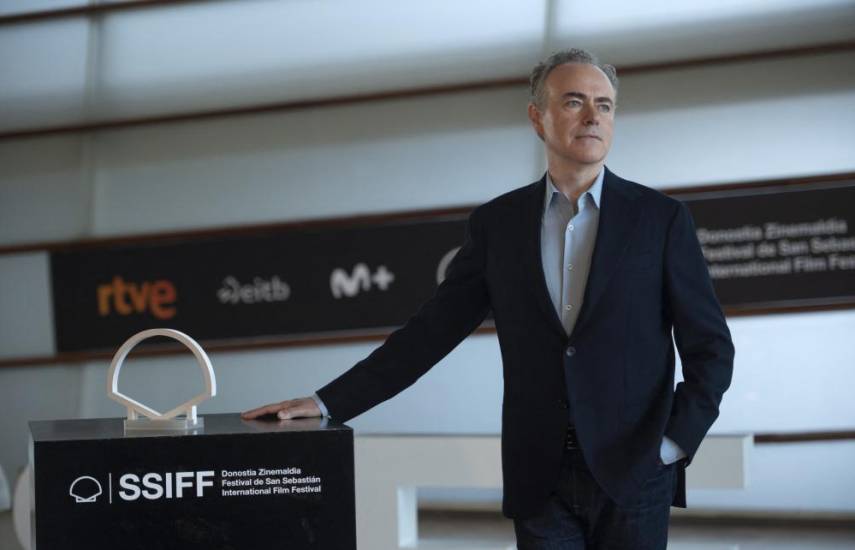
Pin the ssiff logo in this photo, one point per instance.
(148, 486)
(125, 298)
(85, 489)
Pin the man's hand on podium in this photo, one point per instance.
(284, 410)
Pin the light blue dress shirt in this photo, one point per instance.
(568, 234)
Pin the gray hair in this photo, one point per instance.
(573, 55)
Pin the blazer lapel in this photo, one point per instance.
(618, 218)
(533, 222)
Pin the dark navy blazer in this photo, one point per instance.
(648, 276)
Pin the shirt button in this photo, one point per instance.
(568, 307)
(570, 267)
(571, 351)
(570, 227)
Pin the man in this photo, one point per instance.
(586, 274)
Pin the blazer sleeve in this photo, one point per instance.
(458, 307)
(701, 334)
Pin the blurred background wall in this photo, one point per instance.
(726, 115)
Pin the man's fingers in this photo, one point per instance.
(290, 408)
(254, 413)
(272, 408)
(299, 408)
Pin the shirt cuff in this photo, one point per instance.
(669, 451)
(324, 412)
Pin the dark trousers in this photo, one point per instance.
(580, 516)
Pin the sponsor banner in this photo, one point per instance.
(778, 246)
(767, 246)
(288, 282)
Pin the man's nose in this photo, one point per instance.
(592, 116)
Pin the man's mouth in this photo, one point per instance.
(591, 136)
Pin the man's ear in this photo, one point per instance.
(534, 115)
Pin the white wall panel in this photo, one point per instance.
(627, 32)
(407, 154)
(740, 142)
(625, 15)
(261, 51)
(26, 311)
(43, 68)
(737, 123)
(44, 190)
(792, 372)
(33, 393)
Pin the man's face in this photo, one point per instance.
(577, 117)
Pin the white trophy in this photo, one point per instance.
(141, 417)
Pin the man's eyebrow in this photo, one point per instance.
(580, 95)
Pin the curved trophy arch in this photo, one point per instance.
(140, 416)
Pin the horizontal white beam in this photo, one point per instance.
(390, 469)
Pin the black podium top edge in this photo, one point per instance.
(214, 424)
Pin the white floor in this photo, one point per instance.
(490, 530)
(7, 533)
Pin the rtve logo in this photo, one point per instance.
(126, 298)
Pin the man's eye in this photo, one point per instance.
(574, 103)
(604, 108)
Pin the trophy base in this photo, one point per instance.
(182, 424)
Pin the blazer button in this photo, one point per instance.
(571, 351)
(562, 403)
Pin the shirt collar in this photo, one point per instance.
(596, 191)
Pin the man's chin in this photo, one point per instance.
(588, 159)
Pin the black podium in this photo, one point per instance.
(235, 484)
